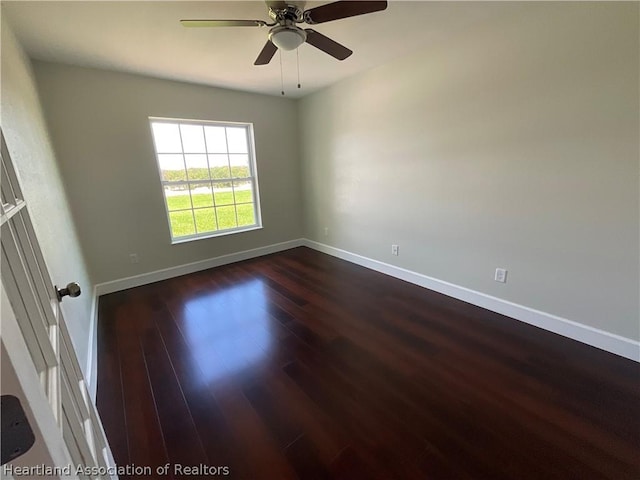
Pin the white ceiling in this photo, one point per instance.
(146, 38)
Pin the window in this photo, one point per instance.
(208, 176)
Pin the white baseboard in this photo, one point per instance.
(171, 272)
(625, 347)
(601, 339)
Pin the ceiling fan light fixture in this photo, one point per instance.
(287, 38)
(285, 35)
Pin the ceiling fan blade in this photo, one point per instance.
(341, 9)
(327, 45)
(267, 53)
(223, 23)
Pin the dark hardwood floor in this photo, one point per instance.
(300, 365)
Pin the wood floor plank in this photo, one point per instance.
(178, 428)
(145, 440)
(301, 365)
(110, 398)
(213, 430)
(259, 448)
(304, 458)
(349, 465)
(283, 426)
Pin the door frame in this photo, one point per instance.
(38, 358)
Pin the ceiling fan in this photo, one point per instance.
(286, 35)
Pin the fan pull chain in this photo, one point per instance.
(281, 75)
(298, 63)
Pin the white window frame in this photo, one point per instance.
(253, 178)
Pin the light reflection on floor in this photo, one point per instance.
(228, 330)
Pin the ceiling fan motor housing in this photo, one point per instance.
(291, 13)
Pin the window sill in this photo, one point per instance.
(177, 241)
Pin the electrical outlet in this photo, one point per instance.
(395, 250)
(501, 275)
(326, 231)
(133, 257)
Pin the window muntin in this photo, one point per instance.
(208, 176)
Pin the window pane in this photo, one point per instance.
(166, 137)
(197, 167)
(243, 191)
(246, 215)
(192, 138)
(226, 217)
(177, 197)
(223, 193)
(219, 165)
(201, 195)
(205, 220)
(239, 166)
(182, 223)
(237, 139)
(208, 175)
(172, 168)
(216, 140)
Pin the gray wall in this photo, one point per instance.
(26, 134)
(513, 144)
(99, 125)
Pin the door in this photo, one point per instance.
(38, 358)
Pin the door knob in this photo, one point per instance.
(72, 289)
